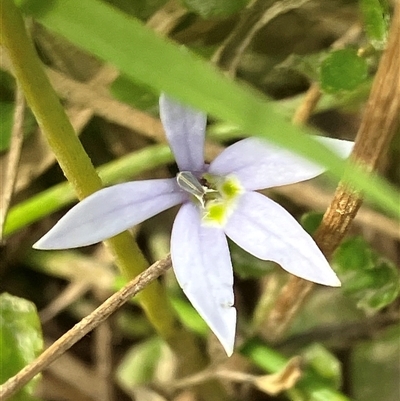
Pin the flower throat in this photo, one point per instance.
(215, 195)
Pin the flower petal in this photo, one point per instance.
(259, 164)
(203, 268)
(267, 231)
(185, 130)
(110, 211)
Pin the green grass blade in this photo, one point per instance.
(140, 54)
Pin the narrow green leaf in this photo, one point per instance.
(20, 340)
(138, 96)
(140, 54)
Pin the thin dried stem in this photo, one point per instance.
(272, 384)
(15, 383)
(256, 16)
(379, 124)
(313, 197)
(103, 355)
(104, 105)
(308, 105)
(166, 19)
(17, 139)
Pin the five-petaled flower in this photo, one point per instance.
(218, 200)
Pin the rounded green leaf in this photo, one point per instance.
(21, 340)
(385, 288)
(342, 70)
(312, 387)
(369, 279)
(215, 8)
(375, 14)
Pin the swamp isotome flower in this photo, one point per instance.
(218, 200)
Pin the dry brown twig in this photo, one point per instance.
(379, 123)
(103, 352)
(15, 383)
(167, 17)
(272, 384)
(257, 15)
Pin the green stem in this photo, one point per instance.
(80, 172)
(52, 119)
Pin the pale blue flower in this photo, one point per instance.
(218, 200)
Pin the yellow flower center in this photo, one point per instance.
(216, 196)
(221, 199)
